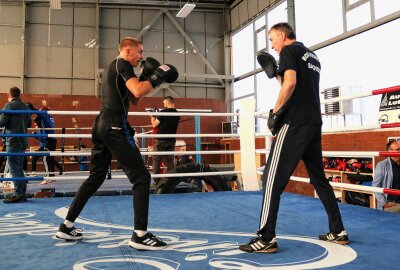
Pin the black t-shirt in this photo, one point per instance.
(168, 124)
(303, 107)
(396, 181)
(114, 93)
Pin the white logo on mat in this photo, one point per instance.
(225, 254)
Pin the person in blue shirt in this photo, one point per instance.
(83, 160)
(46, 125)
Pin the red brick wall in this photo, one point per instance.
(91, 103)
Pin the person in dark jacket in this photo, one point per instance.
(16, 124)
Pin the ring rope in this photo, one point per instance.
(348, 186)
(122, 176)
(354, 154)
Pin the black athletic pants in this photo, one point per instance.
(295, 143)
(48, 161)
(110, 137)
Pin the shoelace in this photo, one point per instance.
(75, 231)
(255, 239)
(153, 237)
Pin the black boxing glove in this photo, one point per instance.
(149, 66)
(275, 119)
(268, 64)
(164, 73)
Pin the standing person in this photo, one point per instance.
(387, 175)
(296, 119)
(111, 137)
(165, 125)
(16, 124)
(46, 125)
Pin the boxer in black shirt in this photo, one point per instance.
(112, 136)
(296, 119)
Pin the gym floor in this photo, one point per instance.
(203, 231)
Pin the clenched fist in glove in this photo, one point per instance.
(275, 120)
(268, 64)
(164, 73)
(149, 66)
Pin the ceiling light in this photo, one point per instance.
(185, 10)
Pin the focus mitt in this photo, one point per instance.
(275, 120)
(268, 64)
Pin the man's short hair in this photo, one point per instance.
(128, 41)
(170, 99)
(30, 105)
(389, 143)
(285, 28)
(15, 92)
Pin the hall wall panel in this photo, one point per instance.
(38, 14)
(148, 16)
(11, 14)
(83, 87)
(131, 19)
(109, 17)
(84, 37)
(243, 12)
(11, 35)
(11, 61)
(83, 63)
(235, 22)
(85, 16)
(194, 65)
(153, 41)
(252, 8)
(214, 24)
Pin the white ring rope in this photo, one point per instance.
(149, 135)
(144, 153)
(145, 113)
(161, 175)
(336, 184)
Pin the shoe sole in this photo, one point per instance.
(270, 250)
(144, 247)
(342, 242)
(64, 236)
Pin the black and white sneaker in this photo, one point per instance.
(69, 233)
(146, 242)
(258, 244)
(342, 238)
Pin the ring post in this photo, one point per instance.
(247, 145)
(198, 144)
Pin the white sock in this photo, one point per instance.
(68, 223)
(140, 233)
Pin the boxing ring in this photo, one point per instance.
(203, 230)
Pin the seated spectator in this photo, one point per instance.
(387, 175)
